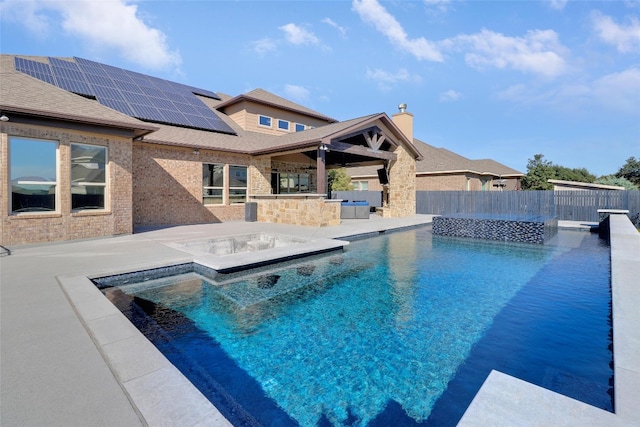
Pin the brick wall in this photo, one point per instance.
(65, 224)
(167, 185)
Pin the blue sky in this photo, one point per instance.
(486, 79)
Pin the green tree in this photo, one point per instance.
(339, 180)
(573, 174)
(614, 180)
(630, 170)
(539, 171)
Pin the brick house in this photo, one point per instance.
(91, 150)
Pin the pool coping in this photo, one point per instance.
(159, 392)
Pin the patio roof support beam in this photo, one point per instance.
(321, 169)
(362, 151)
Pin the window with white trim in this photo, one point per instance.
(283, 125)
(33, 168)
(212, 183)
(299, 127)
(237, 184)
(264, 121)
(361, 185)
(88, 176)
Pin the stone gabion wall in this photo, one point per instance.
(495, 229)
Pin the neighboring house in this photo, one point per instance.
(444, 170)
(91, 150)
(560, 185)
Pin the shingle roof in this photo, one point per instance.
(20, 93)
(249, 142)
(264, 97)
(490, 165)
(440, 160)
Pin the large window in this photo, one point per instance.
(33, 175)
(237, 184)
(212, 183)
(88, 176)
(284, 183)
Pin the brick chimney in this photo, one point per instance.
(404, 121)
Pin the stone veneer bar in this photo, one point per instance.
(305, 209)
(508, 228)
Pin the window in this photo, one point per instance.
(33, 175)
(264, 121)
(88, 176)
(299, 127)
(361, 185)
(237, 184)
(284, 183)
(212, 183)
(283, 125)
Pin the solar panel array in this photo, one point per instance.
(137, 95)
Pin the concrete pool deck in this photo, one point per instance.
(68, 357)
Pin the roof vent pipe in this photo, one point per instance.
(402, 108)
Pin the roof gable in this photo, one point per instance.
(264, 97)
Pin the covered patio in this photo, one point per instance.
(298, 165)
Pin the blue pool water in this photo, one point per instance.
(400, 329)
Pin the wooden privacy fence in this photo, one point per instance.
(566, 205)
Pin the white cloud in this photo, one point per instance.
(32, 15)
(450, 95)
(626, 38)
(330, 22)
(386, 79)
(618, 92)
(558, 4)
(102, 25)
(372, 12)
(299, 36)
(538, 52)
(440, 5)
(297, 93)
(264, 46)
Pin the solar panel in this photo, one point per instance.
(107, 92)
(75, 86)
(121, 106)
(135, 94)
(161, 103)
(171, 116)
(35, 69)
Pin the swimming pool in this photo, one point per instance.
(400, 328)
